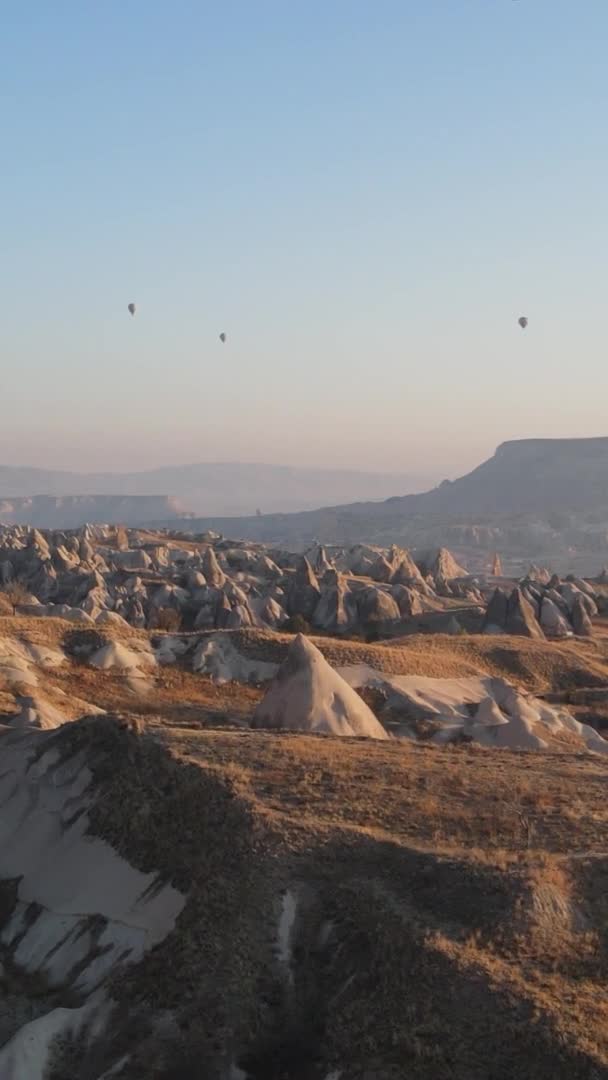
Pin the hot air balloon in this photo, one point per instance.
(222, 337)
(523, 322)
(131, 308)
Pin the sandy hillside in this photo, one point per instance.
(282, 906)
(179, 694)
(355, 909)
(533, 665)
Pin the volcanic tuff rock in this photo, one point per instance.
(544, 604)
(174, 582)
(226, 904)
(308, 695)
(553, 622)
(520, 616)
(304, 593)
(336, 610)
(581, 622)
(82, 576)
(75, 911)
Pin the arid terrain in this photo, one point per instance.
(540, 500)
(360, 910)
(544, 500)
(245, 836)
(304, 541)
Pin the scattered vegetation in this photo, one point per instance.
(80, 644)
(16, 594)
(169, 620)
(297, 624)
(436, 930)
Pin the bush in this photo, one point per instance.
(16, 594)
(168, 619)
(80, 644)
(297, 624)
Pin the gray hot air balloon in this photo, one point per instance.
(222, 337)
(131, 308)
(523, 321)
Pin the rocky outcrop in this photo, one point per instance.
(543, 603)
(442, 566)
(553, 621)
(511, 615)
(495, 619)
(308, 695)
(581, 622)
(214, 575)
(408, 601)
(76, 911)
(336, 610)
(211, 583)
(521, 619)
(377, 609)
(383, 570)
(304, 592)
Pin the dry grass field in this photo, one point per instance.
(180, 696)
(450, 911)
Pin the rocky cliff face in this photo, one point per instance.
(526, 475)
(533, 499)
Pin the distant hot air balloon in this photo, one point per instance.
(523, 322)
(222, 337)
(131, 308)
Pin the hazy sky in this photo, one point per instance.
(364, 194)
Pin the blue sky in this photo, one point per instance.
(363, 195)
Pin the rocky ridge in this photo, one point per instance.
(100, 573)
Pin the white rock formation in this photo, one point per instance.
(218, 657)
(552, 621)
(501, 716)
(80, 910)
(308, 695)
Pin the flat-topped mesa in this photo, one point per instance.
(595, 447)
(308, 695)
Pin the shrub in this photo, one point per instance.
(80, 644)
(168, 619)
(297, 624)
(16, 594)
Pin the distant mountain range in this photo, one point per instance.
(222, 488)
(526, 475)
(534, 499)
(523, 476)
(543, 500)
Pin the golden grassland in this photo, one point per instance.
(462, 892)
(465, 889)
